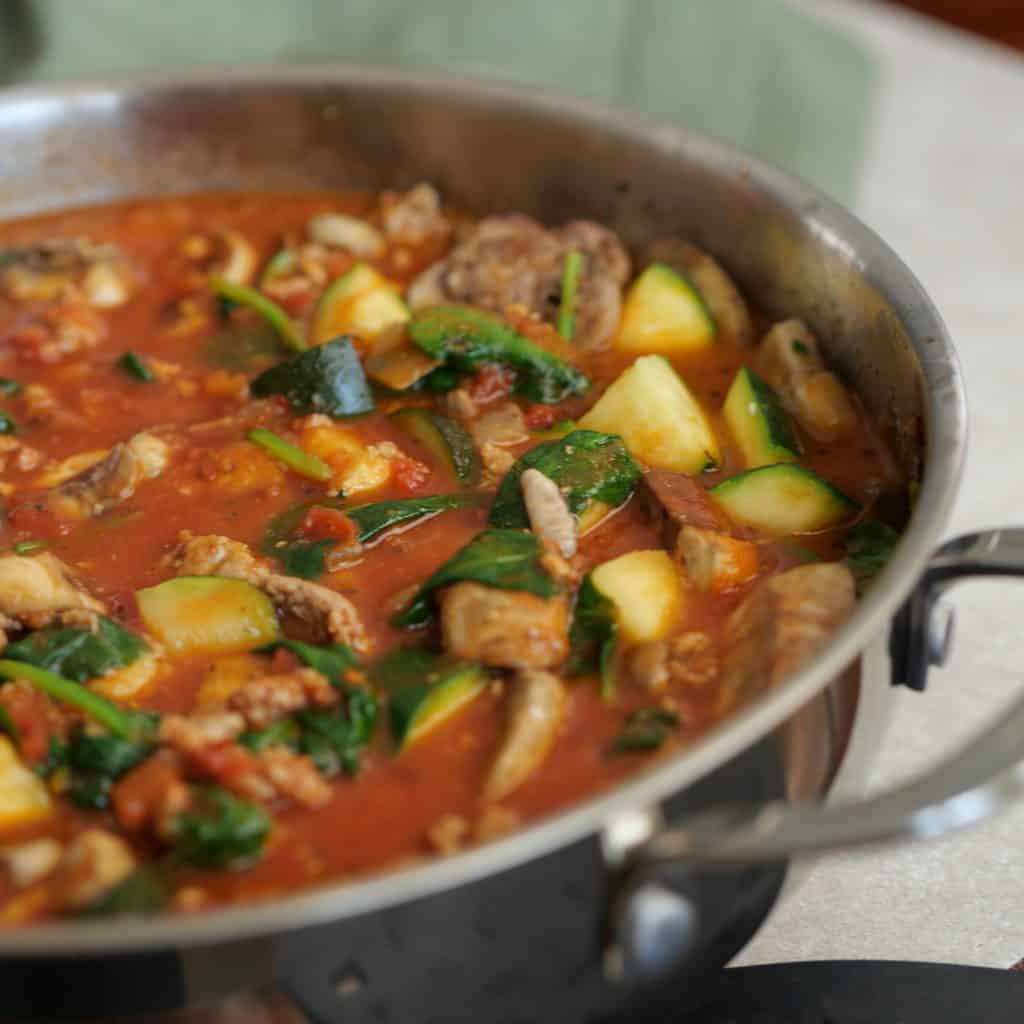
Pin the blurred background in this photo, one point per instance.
(913, 121)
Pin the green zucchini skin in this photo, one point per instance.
(782, 500)
(758, 422)
(445, 439)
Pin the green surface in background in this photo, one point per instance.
(755, 72)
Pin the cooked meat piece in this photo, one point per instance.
(17, 454)
(191, 733)
(295, 776)
(267, 699)
(74, 268)
(412, 217)
(461, 405)
(112, 480)
(507, 628)
(36, 590)
(448, 834)
(59, 330)
(30, 861)
(715, 561)
(333, 615)
(340, 231)
(503, 425)
(497, 462)
(225, 253)
(680, 501)
(93, 863)
(689, 659)
(720, 295)
(550, 518)
(512, 260)
(537, 702)
(778, 627)
(792, 365)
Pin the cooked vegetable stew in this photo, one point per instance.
(341, 530)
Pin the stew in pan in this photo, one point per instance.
(340, 530)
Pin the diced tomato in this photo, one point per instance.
(226, 763)
(29, 712)
(296, 302)
(490, 383)
(321, 523)
(410, 475)
(138, 797)
(539, 417)
(284, 661)
(338, 262)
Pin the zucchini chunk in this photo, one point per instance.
(758, 422)
(783, 499)
(208, 615)
(664, 312)
(448, 442)
(653, 411)
(360, 302)
(23, 795)
(647, 592)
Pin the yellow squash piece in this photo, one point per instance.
(647, 592)
(23, 796)
(664, 312)
(207, 615)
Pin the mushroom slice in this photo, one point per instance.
(550, 518)
(537, 703)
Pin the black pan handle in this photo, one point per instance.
(984, 776)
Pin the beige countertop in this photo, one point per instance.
(941, 183)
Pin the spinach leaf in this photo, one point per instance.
(7, 425)
(133, 365)
(327, 379)
(507, 559)
(464, 338)
(145, 891)
(869, 546)
(79, 654)
(222, 831)
(333, 737)
(332, 661)
(8, 386)
(646, 729)
(411, 666)
(587, 466)
(56, 757)
(96, 762)
(593, 636)
(307, 558)
(244, 348)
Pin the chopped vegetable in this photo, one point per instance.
(588, 467)
(653, 411)
(783, 499)
(245, 348)
(332, 661)
(7, 726)
(664, 313)
(445, 439)
(9, 386)
(465, 338)
(424, 689)
(361, 302)
(646, 590)
(294, 458)
(145, 891)
(593, 636)
(28, 547)
(242, 295)
(327, 379)
(571, 271)
(133, 365)
(758, 422)
(79, 654)
(307, 558)
(23, 796)
(122, 722)
(96, 762)
(869, 546)
(506, 559)
(7, 425)
(222, 832)
(646, 729)
(208, 615)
